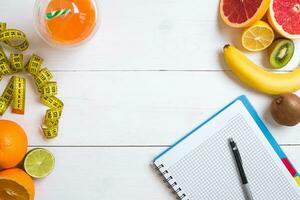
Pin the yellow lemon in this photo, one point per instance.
(258, 36)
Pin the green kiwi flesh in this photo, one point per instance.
(282, 51)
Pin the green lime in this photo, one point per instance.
(39, 163)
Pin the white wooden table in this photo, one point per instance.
(152, 73)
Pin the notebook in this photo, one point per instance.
(200, 165)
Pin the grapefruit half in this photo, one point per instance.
(284, 16)
(243, 13)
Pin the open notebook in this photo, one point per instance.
(201, 166)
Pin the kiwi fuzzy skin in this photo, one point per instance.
(285, 109)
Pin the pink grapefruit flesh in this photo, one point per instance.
(284, 16)
(242, 13)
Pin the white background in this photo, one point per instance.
(152, 73)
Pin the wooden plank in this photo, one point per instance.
(103, 173)
(135, 35)
(139, 108)
(109, 173)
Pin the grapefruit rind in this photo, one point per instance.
(277, 27)
(261, 11)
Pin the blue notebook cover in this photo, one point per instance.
(261, 125)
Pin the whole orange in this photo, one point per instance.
(13, 144)
(16, 184)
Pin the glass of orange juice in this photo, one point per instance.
(66, 23)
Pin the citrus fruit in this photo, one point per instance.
(13, 144)
(76, 25)
(39, 163)
(243, 13)
(258, 36)
(15, 184)
(284, 16)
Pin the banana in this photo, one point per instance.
(258, 78)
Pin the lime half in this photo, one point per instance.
(39, 163)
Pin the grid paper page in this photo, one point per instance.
(209, 172)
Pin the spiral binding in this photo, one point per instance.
(172, 184)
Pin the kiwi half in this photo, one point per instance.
(282, 50)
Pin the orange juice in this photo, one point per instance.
(73, 26)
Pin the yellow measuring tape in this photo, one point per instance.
(19, 95)
(34, 64)
(42, 77)
(15, 90)
(49, 89)
(4, 65)
(13, 38)
(8, 94)
(16, 62)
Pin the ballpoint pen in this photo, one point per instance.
(238, 160)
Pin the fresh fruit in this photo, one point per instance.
(236, 13)
(284, 16)
(39, 163)
(281, 53)
(15, 184)
(13, 144)
(285, 109)
(258, 78)
(258, 36)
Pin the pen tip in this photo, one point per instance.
(230, 139)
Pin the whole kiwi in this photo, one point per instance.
(285, 109)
